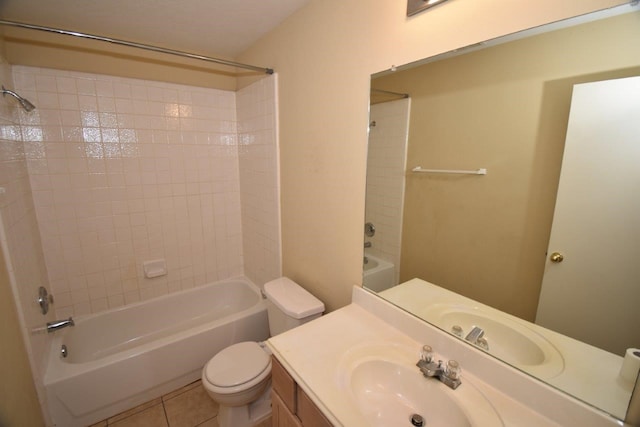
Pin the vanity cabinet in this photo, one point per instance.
(291, 407)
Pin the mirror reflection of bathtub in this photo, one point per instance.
(378, 274)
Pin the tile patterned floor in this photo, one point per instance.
(189, 406)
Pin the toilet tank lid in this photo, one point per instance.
(292, 299)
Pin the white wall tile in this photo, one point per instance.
(112, 185)
(128, 184)
(386, 160)
(260, 220)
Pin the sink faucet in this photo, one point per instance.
(475, 334)
(449, 374)
(59, 324)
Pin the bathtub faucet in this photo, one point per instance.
(59, 324)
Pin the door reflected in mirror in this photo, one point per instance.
(506, 108)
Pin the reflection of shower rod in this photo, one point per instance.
(481, 171)
(388, 92)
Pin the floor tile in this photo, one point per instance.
(135, 410)
(151, 417)
(213, 422)
(190, 408)
(181, 390)
(265, 423)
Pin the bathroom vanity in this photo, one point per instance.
(357, 366)
(291, 406)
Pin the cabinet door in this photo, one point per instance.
(280, 414)
(283, 384)
(308, 412)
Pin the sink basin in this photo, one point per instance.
(389, 393)
(508, 340)
(387, 388)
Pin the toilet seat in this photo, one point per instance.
(237, 368)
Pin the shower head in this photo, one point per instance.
(28, 106)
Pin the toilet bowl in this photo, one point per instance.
(238, 378)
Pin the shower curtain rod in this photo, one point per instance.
(137, 45)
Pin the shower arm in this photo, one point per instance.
(28, 106)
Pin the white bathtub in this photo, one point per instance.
(127, 356)
(378, 274)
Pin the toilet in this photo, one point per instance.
(238, 378)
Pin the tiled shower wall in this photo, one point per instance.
(258, 155)
(125, 171)
(386, 164)
(19, 237)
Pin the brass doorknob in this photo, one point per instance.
(556, 257)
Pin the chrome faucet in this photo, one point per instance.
(475, 334)
(449, 374)
(367, 244)
(476, 337)
(59, 324)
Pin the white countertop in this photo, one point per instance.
(314, 354)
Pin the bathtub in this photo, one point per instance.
(378, 274)
(124, 357)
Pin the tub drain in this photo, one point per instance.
(417, 420)
(63, 351)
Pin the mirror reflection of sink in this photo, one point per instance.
(389, 393)
(507, 339)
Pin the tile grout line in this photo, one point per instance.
(164, 409)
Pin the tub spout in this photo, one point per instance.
(59, 324)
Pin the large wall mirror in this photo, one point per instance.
(474, 158)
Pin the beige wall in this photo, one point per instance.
(19, 404)
(324, 55)
(504, 109)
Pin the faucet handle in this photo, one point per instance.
(483, 343)
(426, 354)
(453, 370)
(457, 330)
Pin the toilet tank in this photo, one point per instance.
(289, 305)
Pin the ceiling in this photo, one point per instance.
(222, 28)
